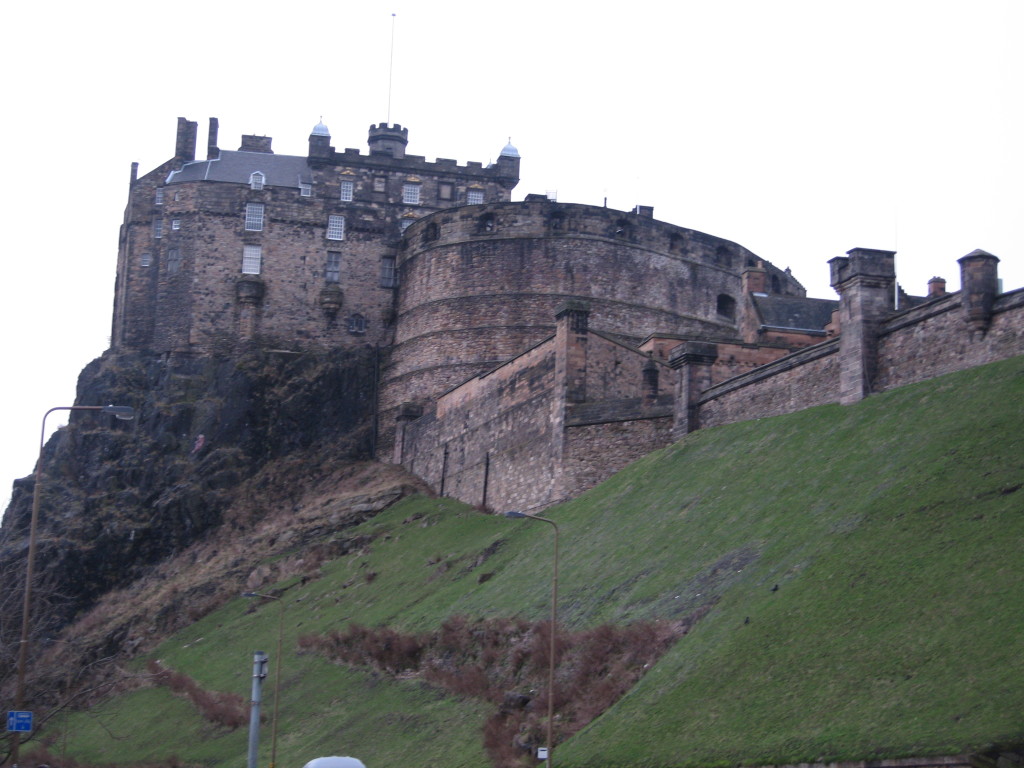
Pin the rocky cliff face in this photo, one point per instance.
(120, 497)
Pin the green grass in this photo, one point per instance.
(892, 530)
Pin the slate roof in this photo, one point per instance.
(236, 167)
(793, 313)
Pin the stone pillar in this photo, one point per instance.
(570, 387)
(865, 281)
(571, 344)
(979, 286)
(406, 412)
(692, 363)
(650, 383)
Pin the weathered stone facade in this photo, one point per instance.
(527, 350)
(294, 252)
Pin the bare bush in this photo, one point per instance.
(506, 663)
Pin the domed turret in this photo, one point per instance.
(509, 150)
(320, 129)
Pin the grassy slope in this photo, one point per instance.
(893, 531)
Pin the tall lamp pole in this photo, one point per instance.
(123, 412)
(277, 671)
(554, 625)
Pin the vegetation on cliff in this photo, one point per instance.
(853, 577)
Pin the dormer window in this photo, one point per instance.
(347, 188)
(256, 180)
(411, 194)
(305, 190)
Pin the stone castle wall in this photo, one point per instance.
(479, 284)
(935, 338)
(579, 406)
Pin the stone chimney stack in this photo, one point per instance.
(755, 279)
(979, 286)
(185, 142)
(936, 287)
(212, 152)
(256, 144)
(865, 280)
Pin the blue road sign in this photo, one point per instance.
(19, 721)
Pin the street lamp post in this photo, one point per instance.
(123, 412)
(554, 625)
(277, 671)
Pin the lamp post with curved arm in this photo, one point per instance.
(554, 625)
(123, 412)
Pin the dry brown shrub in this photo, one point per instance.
(220, 708)
(506, 662)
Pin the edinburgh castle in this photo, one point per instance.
(524, 350)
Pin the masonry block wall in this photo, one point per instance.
(284, 251)
(946, 333)
(545, 425)
(479, 284)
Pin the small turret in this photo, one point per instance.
(388, 139)
(320, 150)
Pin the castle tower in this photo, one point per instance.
(388, 139)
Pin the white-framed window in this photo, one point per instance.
(406, 223)
(175, 224)
(173, 261)
(305, 190)
(158, 198)
(356, 323)
(256, 180)
(252, 259)
(474, 196)
(158, 229)
(347, 188)
(411, 194)
(335, 227)
(146, 260)
(388, 272)
(177, 196)
(254, 217)
(332, 270)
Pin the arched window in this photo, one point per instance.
(726, 306)
(356, 323)
(485, 223)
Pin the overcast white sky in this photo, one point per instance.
(797, 128)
